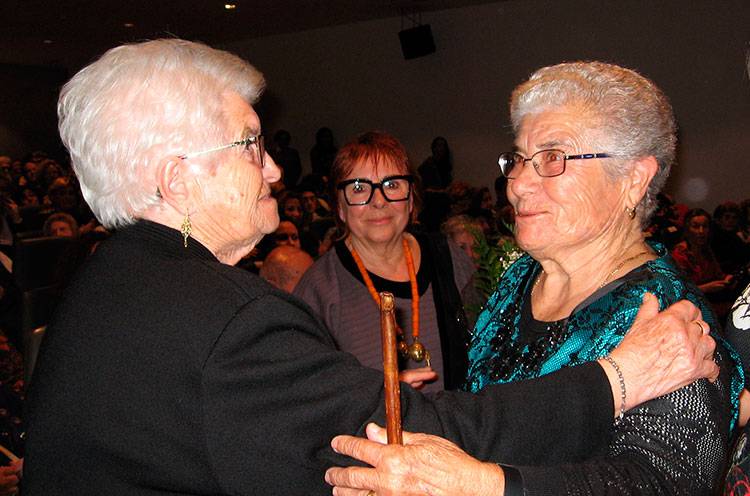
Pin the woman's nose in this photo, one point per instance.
(271, 171)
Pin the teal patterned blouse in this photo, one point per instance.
(497, 355)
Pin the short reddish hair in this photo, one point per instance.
(375, 148)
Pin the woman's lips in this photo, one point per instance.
(528, 213)
(380, 220)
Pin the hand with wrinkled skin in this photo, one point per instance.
(425, 464)
(417, 378)
(662, 352)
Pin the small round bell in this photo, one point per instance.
(416, 351)
(403, 348)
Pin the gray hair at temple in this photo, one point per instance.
(139, 103)
(626, 114)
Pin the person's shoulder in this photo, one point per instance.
(252, 289)
(662, 278)
(237, 280)
(319, 274)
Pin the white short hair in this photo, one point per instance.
(138, 103)
(627, 115)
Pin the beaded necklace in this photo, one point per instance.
(416, 351)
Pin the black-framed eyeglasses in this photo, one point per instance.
(359, 191)
(251, 143)
(547, 163)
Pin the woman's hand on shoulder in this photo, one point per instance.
(663, 351)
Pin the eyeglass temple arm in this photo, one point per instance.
(251, 140)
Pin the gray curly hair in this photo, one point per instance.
(628, 115)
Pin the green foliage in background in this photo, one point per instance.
(494, 258)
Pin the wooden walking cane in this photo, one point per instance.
(390, 369)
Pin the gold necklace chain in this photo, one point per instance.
(620, 266)
(606, 279)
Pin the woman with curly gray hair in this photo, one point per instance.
(594, 145)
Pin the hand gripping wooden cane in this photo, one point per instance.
(390, 369)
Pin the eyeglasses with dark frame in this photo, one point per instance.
(360, 191)
(256, 142)
(547, 163)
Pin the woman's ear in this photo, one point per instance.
(171, 179)
(340, 207)
(642, 173)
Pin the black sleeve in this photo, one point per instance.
(674, 445)
(277, 392)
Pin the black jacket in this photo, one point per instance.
(167, 372)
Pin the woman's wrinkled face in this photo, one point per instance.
(380, 221)
(567, 212)
(235, 207)
(698, 229)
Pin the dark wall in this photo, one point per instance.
(28, 100)
(353, 78)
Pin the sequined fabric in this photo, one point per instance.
(676, 444)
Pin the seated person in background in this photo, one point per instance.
(286, 234)
(462, 229)
(11, 425)
(284, 266)
(696, 258)
(166, 370)
(312, 206)
(290, 208)
(60, 225)
(29, 198)
(665, 225)
(574, 296)
(482, 209)
(460, 194)
(731, 252)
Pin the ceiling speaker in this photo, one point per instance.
(416, 41)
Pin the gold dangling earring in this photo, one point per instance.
(631, 212)
(186, 228)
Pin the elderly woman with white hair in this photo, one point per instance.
(166, 370)
(594, 145)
